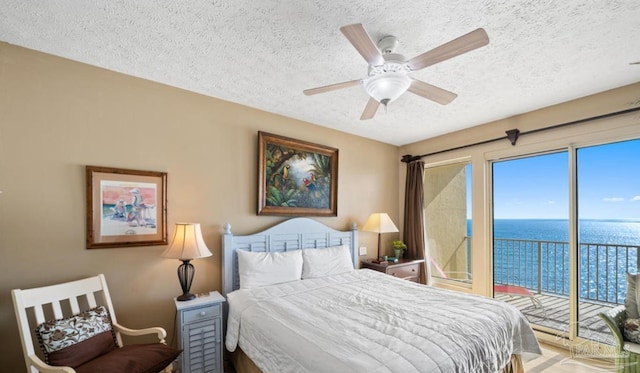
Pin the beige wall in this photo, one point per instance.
(56, 116)
(623, 98)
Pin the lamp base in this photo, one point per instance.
(185, 297)
(185, 275)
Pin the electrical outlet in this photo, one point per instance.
(363, 250)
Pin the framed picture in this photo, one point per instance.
(125, 207)
(296, 178)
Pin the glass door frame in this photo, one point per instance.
(596, 131)
(574, 261)
(572, 331)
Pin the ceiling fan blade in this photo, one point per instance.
(431, 92)
(360, 39)
(475, 39)
(370, 109)
(332, 87)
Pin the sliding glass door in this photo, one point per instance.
(608, 195)
(566, 229)
(531, 237)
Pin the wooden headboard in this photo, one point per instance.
(292, 234)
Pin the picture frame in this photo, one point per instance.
(296, 178)
(125, 207)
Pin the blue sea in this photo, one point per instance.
(534, 253)
(618, 232)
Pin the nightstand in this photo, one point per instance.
(407, 269)
(199, 326)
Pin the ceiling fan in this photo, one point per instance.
(388, 75)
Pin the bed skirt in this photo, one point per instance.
(242, 363)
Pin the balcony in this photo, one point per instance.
(555, 315)
(542, 267)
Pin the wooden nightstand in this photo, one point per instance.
(199, 324)
(407, 269)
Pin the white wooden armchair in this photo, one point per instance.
(81, 336)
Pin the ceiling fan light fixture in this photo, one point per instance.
(385, 88)
(388, 71)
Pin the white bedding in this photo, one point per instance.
(366, 321)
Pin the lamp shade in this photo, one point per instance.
(187, 243)
(379, 222)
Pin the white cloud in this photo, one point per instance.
(636, 198)
(551, 202)
(613, 199)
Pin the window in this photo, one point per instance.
(572, 190)
(539, 250)
(448, 220)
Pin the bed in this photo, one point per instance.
(356, 320)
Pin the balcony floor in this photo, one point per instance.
(556, 315)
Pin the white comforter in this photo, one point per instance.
(366, 321)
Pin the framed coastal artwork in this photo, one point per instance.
(125, 207)
(296, 178)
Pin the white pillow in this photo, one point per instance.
(325, 262)
(258, 269)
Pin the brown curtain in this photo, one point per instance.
(414, 215)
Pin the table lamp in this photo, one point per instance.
(187, 244)
(379, 223)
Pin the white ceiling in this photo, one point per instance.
(264, 53)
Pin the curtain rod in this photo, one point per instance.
(512, 135)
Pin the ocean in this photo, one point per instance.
(618, 232)
(608, 249)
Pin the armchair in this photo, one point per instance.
(83, 334)
(627, 353)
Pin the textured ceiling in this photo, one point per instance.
(264, 53)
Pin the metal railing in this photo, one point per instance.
(543, 267)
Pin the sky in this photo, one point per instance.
(537, 187)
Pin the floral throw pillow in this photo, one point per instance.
(77, 339)
(631, 330)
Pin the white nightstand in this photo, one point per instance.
(199, 327)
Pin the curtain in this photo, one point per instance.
(414, 217)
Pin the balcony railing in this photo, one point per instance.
(543, 267)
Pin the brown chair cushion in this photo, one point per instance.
(84, 351)
(140, 358)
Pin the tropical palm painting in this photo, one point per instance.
(298, 176)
